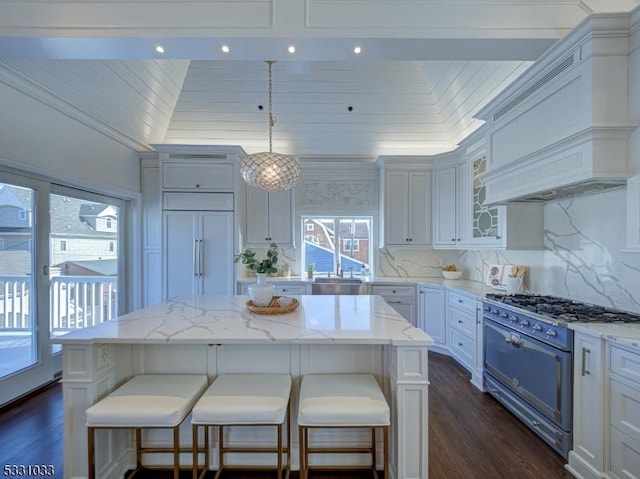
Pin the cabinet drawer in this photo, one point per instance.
(197, 176)
(463, 321)
(463, 347)
(290, 289)
(625, 456)
(394, 291)
(625, 363)
(625, 409)
(461, 301)
(198, 201)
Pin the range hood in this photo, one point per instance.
(577, 189)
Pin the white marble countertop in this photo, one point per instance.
(226, 320)
(623, 333)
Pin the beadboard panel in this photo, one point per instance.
(136, 97)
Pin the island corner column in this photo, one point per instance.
(409, 382)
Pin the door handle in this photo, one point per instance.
(201, 266)
(585, 371)
(196, 251)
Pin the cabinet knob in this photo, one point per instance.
(498, 237)
(459, 239)
(197, 186)
(453, 239)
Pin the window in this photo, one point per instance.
(337, 239)
(111, 246)
(350, 245)
(109, 224)
(22, 215)
(63, 245)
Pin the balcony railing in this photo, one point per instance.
(75, 302)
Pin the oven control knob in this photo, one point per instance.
(524, 323)
(513, 319)
(537, 328)
(494, 311)
(551, 333)
(486, 308)
(504, 315)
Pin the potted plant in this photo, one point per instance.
(310, 268)
(260, 293)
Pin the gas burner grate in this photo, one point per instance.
(564, 309)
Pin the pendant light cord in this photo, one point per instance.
(271, 119)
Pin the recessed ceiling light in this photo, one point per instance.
(159, 48)
(357, 49)
(225, 48)
(291, 49)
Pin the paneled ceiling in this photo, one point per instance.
(409, 96)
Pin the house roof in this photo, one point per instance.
(102, 267)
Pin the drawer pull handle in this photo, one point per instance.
(460, 301)
(460, 344)
(536, 423)
(459, 321)
(585, 371)
(496, 391)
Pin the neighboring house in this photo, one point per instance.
(319, 239)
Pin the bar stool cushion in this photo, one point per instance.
(148, 400)
(342, 400)
(244, 399)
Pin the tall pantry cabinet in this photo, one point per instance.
(188, 226)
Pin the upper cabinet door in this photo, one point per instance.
(445, 208)
(486, 221)
(419, 208)
(269, 217)
(280, 218)
(257, 216)
(197, 176)
(396, 206)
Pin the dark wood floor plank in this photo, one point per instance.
(471, 436)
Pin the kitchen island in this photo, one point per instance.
(216, 334)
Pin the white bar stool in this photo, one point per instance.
(244, 400)
(146, 401)
(342, 401)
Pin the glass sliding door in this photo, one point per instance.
(18, 328)
(83, 248)
(25, 362)
(60, 270)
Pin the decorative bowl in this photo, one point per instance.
(452, 274)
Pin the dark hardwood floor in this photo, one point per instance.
(470, 435)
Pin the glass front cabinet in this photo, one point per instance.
(486, 221)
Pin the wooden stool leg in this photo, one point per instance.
(288, 439)
(91, 449)
(279, 427)
(194, 446)
(176, 452)
(206, 448)
(220, 452)
(385, 433)
(373, 452)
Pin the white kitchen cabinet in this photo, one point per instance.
(407, 208)
(400, 298)
(269, 218)
(200, 175)
(462, 336)
(431, 313)
(589, 380)
(151, 232)
(198, 253)
(451, 221)
(279, 287)
(624, 400)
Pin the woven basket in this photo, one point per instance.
(273, 307)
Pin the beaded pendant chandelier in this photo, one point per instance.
(269, 171)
